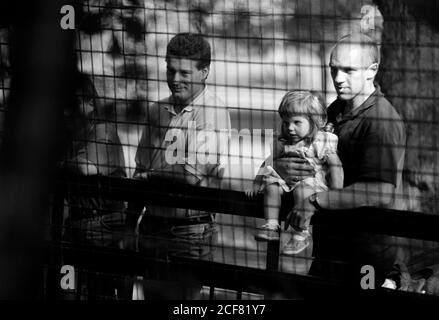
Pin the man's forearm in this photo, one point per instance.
(336, 181)
(178, 174)
(336, 172)
(374, 194)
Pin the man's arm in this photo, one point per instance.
(178, 174)
(202, 163)
(80, 165)
(144, 156)
(109, 153)
(382, 155)
(101, 155)
(359, 194)
(210, 146)
(335, 171)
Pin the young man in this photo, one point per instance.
(371, 147)
(182, 142)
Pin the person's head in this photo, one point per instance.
(354, 64)
(303, 114)
(86, 95)
(188, 62)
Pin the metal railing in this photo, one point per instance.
(269, 280)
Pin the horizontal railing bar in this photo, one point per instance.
(164, 193)
(239, 278)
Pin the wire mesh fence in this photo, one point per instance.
(130, 112)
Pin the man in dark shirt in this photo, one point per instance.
(371, 147)
(371, 140)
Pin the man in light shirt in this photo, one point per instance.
(183, 140)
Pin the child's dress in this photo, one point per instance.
(316, 153)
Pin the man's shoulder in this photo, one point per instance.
(212, 99)
(384, 110)
(383, 117)
(210, 107)
(156, 110)
(387, 107)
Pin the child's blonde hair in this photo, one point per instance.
(307, 104)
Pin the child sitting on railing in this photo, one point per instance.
(303, 119)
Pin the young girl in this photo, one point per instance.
(303, 118)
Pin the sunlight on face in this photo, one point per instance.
(185, 80)
(348, 70)
(296, 127)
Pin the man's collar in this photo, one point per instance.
(190, 106)
(368, 103)
(171, 109)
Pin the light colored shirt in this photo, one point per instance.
(193, 141)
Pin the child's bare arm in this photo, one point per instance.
(335, 171)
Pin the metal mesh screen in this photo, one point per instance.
(260, 51)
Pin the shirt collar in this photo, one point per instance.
(171, 109)
(367, 104)
(190, 106)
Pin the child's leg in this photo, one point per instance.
(272, 204)
(300, 193)
(300, 238)
(272, 201)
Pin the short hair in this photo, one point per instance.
(364, 41)
(190, 46)
(307, 104)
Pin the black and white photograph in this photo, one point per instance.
(233, 151)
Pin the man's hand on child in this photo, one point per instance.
(293, 154)
(293, 169)
(87, 168)
(142, 175)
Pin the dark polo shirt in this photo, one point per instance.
(371, 140)
(371, 147)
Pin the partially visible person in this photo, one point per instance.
(173, 142)
(95, 150)
(303, 119)
(371, 147)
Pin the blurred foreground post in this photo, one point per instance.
(42, 60)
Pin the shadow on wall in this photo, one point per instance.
(410, 78)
